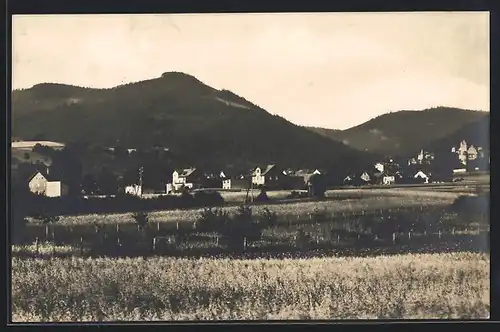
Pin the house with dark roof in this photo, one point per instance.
(41, 183)
(305, 176)
(188, 177)
(270, 176)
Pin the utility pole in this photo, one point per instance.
(141, 170)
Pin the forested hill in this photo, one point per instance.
(405, 132)
(177, 111)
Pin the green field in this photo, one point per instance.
(393, 287)
(69, 283)
(340, 201)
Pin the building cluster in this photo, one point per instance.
(269, 176)
(273, 177)
(468, 153)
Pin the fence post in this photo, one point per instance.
(53, 235)
(338, 238)
(117, 228)
(393, 238)
(154, 244)
(81, 245)
(453, 231)
(46, 232)
(245, 243)
(409, 235)
(158, 226)
(217, 240)
(177, 225)
(194, 225)
(439, 234)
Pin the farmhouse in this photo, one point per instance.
(388, 179)
(269, 177)
(44, 184)
(235, 183)
(305, 177)
(365, 177)
(134, 189)
(421, 177)
(189, 177)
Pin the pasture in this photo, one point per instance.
(338, 201)
(455, 285)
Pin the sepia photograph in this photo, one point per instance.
(250, 167)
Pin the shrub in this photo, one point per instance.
(302, 239)
(208, 198)
(141, 218)
(213, 220)
(269, 218)
(262, 197)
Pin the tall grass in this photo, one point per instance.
(408, 286)
(300, 208)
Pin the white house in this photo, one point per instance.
(56, 189)
(365, 177)
(184, 178)
(388, 179)
(133, 190)
(43, 184)
(422, 175)
(379, 167)
(235, 183)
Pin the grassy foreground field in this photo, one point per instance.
(408, 286)
(348, 201)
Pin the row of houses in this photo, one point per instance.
(269, 176)
(274, 177)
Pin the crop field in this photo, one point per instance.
(347, 201)
(449, 286)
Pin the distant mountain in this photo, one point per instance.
(475, 133)
(404, 133)
(199, 124)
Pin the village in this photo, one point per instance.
(422, 169)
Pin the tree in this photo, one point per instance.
(89, 184)
(317, 187)
(107, 182)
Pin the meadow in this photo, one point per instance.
(454, 285)
(337, 202)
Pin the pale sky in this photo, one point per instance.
(333, 70)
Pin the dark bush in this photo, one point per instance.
(262, 197)
(302, 239)
(269, 218)
(213, 220)
(208, 198)
(141, 218)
